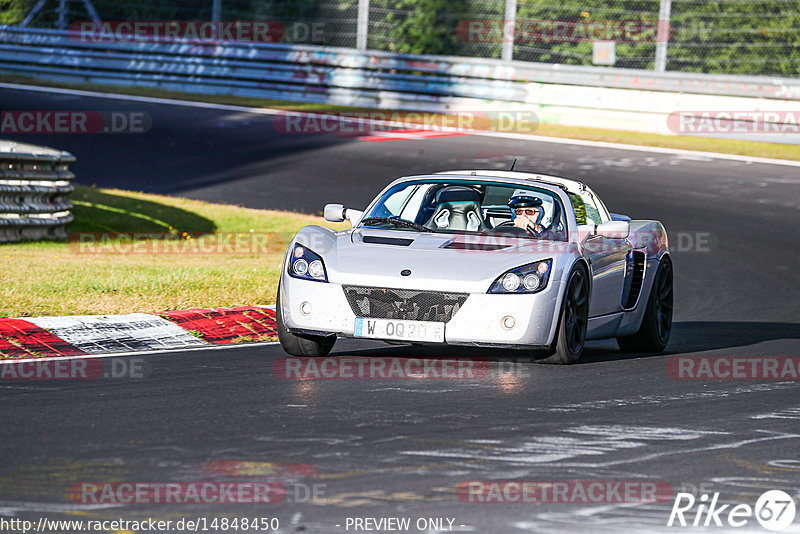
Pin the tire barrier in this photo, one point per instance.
(35, 183)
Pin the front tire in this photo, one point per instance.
(572, 323)
(310, 346)
(656, 327)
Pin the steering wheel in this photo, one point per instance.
(507, 226)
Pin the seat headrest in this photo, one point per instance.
(457, 193)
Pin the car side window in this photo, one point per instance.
(585, 207)
(592, 210)
(578, 207)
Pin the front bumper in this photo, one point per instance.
(479, 321)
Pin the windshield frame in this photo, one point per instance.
(557, 194)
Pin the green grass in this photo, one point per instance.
(183, 266)
(704, 144)
(727, 146)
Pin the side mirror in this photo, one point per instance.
(619, 217)
(353, 215)
(338, 213)
(613, 230)
(334, 212)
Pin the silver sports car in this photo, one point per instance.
(501, 259)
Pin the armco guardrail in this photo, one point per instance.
(560, 94)
(34, 189)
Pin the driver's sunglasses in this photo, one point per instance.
(520, 211)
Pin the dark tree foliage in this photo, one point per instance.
(754, 37)
(13, 12)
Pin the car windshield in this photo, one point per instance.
(469, 207)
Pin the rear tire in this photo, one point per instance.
(656, 327)
(306, 345)
(574, 318)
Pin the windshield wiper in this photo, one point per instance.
(396, 221)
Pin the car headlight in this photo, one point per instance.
(307, 265)
(530, 278)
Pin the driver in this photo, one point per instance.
(527, 212)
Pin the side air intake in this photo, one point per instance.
(634, 277)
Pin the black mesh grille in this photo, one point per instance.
(378, 303)
(636, 265)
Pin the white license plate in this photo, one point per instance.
(400, 329)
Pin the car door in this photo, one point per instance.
(607, 256)
(608, 260)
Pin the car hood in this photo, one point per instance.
(441, 262)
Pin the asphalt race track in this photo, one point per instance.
(399, 448)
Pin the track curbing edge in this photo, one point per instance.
(81, 335)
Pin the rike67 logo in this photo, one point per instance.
(774, 510)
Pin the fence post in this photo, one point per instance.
(62, 11)
(92, 12)
(509, 30)
(32, 13)
(362, 27)
(662, 35)
(216, 10)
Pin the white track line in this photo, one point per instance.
(99, 334)
(504, 135)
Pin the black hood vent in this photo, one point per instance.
(466, 245)
(380, 240)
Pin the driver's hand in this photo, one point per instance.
(527, 225)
